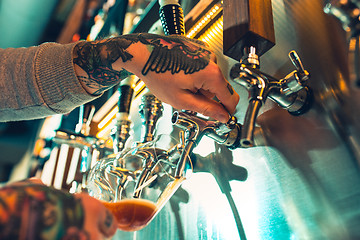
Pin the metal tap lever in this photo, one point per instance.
(296, 80)
(196, 127)
(297, 62)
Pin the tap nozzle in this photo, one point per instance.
(151, 157)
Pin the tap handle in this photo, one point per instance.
(171, 17)
(294, 57)
(126, 91)
(301, 72)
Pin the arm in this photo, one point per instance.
(29, 210)
(55, 78)
(176, 69)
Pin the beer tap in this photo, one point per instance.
(196, 127)
(151, 109)
(171, 17)
(86, 114)
(122, 124)
(247, 38)
(290, 92)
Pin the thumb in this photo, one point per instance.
(107, 223)
(98, 219)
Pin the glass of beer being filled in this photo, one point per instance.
(135, 184)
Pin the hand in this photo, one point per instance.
(178, 70)
(31, 210)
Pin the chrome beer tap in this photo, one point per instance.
(290, 92)
(122, 123)
(196, 127)
(151, 109)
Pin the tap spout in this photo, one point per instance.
(247, 132)
(180, 168)
(150, 156)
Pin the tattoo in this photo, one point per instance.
(109, 219)
(169, 53)
(35, 211)
(229, 87)
(96, 59)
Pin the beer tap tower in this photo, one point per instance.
(247, 36)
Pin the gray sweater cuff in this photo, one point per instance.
(55, 76)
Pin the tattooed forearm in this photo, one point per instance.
(37, 212)
(168, 54)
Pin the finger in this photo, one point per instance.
(223, 91)
(36, 180)
(205, 106)
(228, 97)
(206, 93)
(108, 224)
(28, 181)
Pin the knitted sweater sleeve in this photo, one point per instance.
(39, 81)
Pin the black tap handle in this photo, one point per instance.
(126, 92)
(125, 97)
(172, 18)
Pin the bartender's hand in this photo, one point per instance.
(178, 70)
(31, 210)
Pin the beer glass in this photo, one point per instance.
(135, 184)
